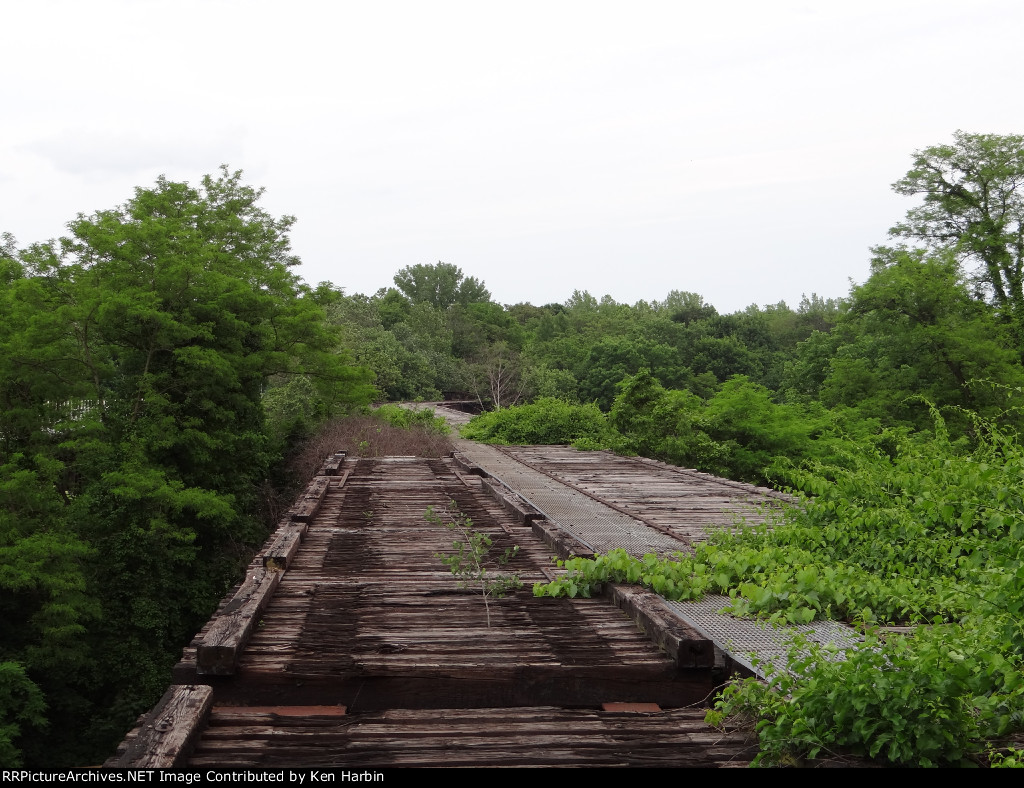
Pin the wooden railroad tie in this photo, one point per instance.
(309, 502)
(165, 737)
(332, 465)
(278, 554)
(217, 653)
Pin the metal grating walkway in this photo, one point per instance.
(751, 643)
(599, 527)
(746, 640)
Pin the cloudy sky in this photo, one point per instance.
(741, 150)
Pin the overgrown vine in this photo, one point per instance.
(928, 535)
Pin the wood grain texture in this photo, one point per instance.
(165, 736)
(367, 618)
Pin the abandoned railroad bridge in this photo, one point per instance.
(349, 644)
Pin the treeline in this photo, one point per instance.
(437, 335)
(160, 364)
(911, 338)
(901, 428)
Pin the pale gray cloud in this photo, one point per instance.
(741, 149)
(92, 152)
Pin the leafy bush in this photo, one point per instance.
(922, 700)
(928, 532)
(756, 431)
(547, 421)
(1012, 758)
(22, 705)
(665, 425)
(740, 432)
(406, 418)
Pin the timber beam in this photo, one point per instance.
(164, 738)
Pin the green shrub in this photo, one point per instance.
(547, 421)
(923, 700)
(405, 418)
(928, 531)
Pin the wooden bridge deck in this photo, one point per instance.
(519, 736)
(363, 652)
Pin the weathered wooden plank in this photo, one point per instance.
(278, 554)
(687, 647)
(468, 479)
(167, 734)
(332, 465)
(529, 736)
(275, 712)
(217, 653)
(309, 502)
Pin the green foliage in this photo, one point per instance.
(756, 432)
(685, 307)
(1011, 758)
(544, 381)
(425, 348)
(45, 604)
(664, 425)
(612, 359)
(912, 329)
(974, 206)
(918, 530)
(134, 356)
(674, 579)
(22, 709)
(925, 700)
(440, 286)
(292, 407)
(471, 562)
(546, 421)
(739, 432)
(406, 418)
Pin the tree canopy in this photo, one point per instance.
(440, 286)
(974, 205)
(134, 355)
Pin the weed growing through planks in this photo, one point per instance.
(471, 563)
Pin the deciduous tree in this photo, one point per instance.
(440, 285)
(134, 355)
(973, 194)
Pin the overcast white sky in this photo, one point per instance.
(741, 150)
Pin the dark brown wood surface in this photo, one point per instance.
(229, 632)
(332, 465)
(278, 554)
(367, 618)
(524, 737)
(309, 502)
(685, 503)
(165, 736)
